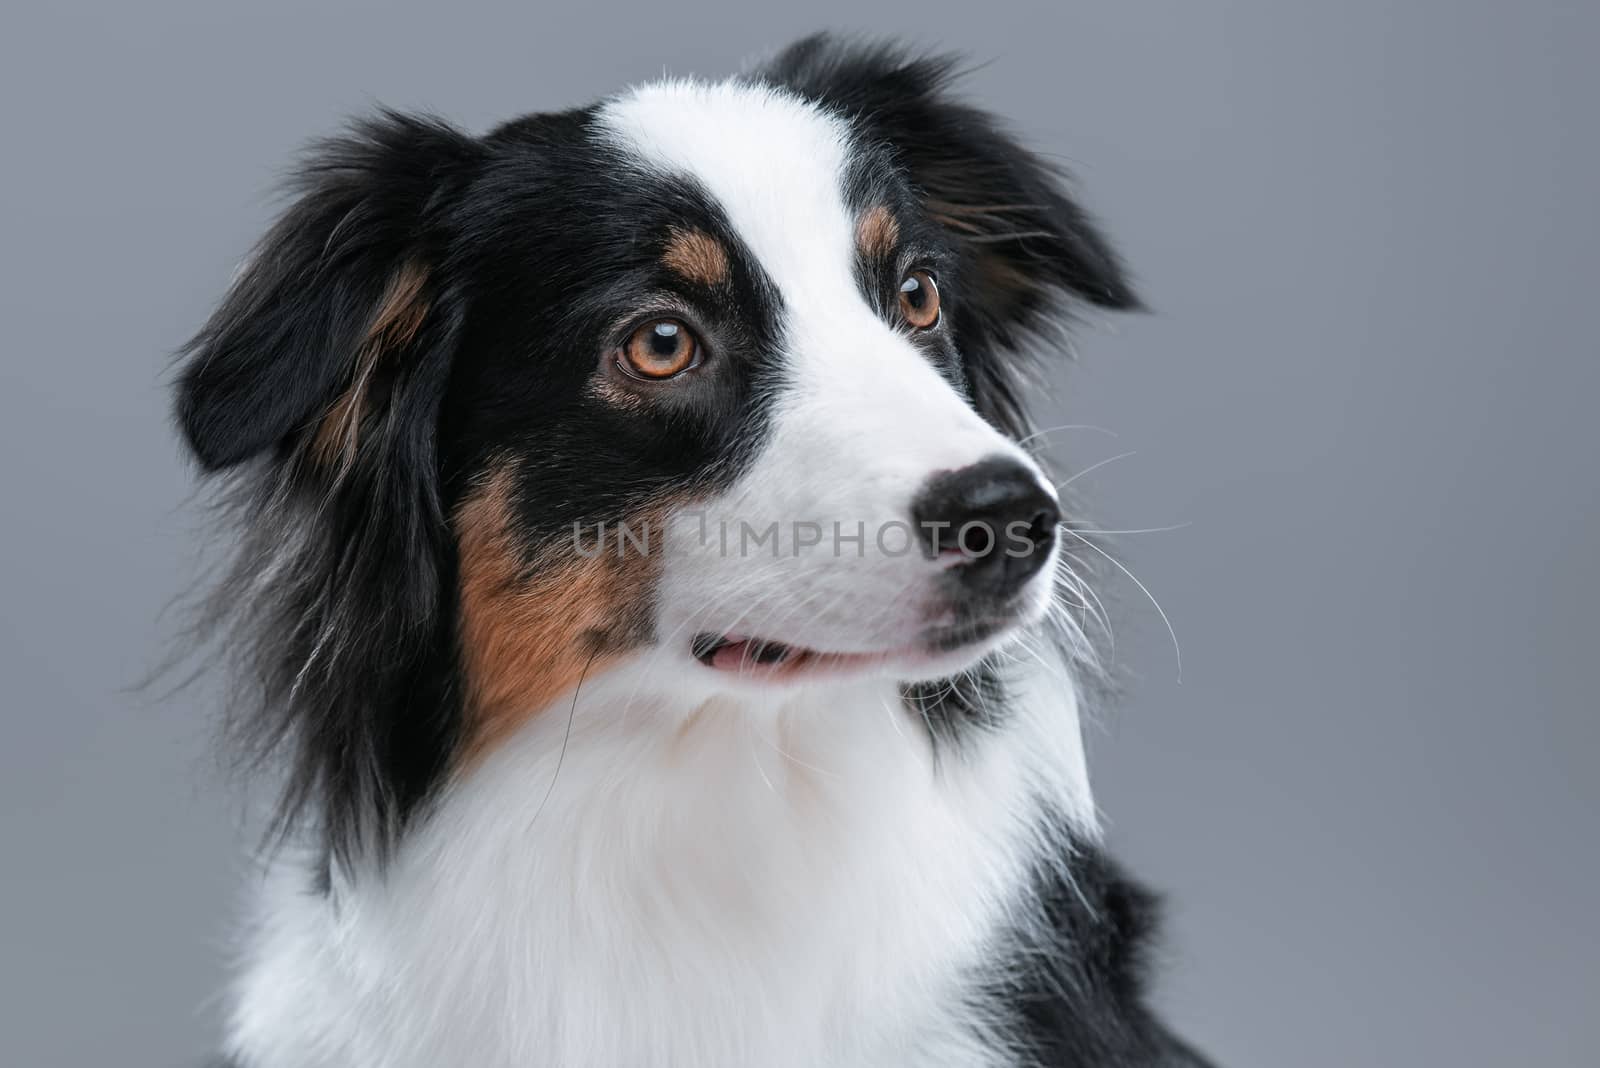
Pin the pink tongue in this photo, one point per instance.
(734, 656)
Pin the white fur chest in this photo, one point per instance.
(800, 884)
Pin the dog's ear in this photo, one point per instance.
(1024, 242)
(336, 304)
(330, 357)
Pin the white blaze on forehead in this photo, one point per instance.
(774, 163)
(867, 413)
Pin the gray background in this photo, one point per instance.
(1369, 233)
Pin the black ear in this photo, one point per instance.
(331, 354)
(1024, 242)
(345, 277)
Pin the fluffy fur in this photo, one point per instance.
(649, 799)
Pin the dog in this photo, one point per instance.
(671, 647)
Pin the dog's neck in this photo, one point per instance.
(624, 732)
(819, 855)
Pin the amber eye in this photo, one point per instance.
(919, 300)
(660, 348)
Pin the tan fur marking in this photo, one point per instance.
(399, 316)
(529, 631)
(697, 256)
(877, 233)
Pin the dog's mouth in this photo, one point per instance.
(763, 658)
(766, 660)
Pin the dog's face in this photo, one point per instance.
(714, 378)
(755, 373)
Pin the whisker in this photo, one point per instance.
(1142, 530)
(791, 758)
(1086, 592)
(1065, 426)
(894, 718)
(1099, 614)
(566, 737)
(1095, 467)
(1014, 235)
(1173, 634)
(755, 757)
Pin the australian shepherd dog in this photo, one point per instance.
(670, 643)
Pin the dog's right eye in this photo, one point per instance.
(659, 349)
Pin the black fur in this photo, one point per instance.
(337, 600)
(279, 349)
(1070, 981)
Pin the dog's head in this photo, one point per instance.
(715, 378)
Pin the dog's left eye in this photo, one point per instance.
(919, 300)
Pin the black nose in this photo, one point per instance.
(997, 515)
